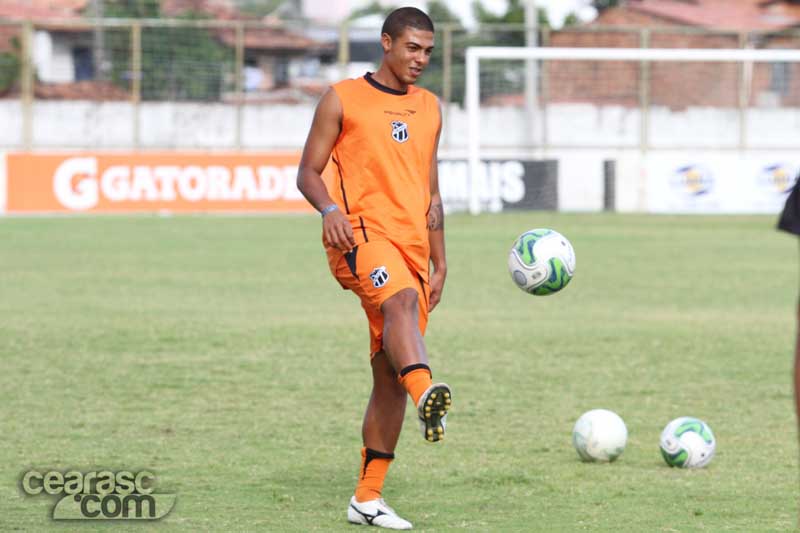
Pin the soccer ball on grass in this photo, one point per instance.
(599, 435)
(687, 442)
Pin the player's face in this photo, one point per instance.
(409, 54)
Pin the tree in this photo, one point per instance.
(515, 13)
(440, 13)
(9, 67)
(483, 36)
(601, 5)
(178, 63)
(374, 8)
(261, 8)
(571, 20)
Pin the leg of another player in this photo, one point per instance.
(797, 372)
(797, 381)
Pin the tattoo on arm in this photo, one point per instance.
(436, 217)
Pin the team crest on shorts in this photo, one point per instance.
(399, 131)
(379, 277)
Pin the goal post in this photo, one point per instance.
(737, 94)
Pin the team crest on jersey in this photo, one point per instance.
(399, 131)
(379, 277)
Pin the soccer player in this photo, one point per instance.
(382, 228)
(790, 221)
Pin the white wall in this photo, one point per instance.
(650, 182)
(266, 126)
(52, 57)
(11, 119)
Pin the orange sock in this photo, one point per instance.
(415, 379)
(374, 465)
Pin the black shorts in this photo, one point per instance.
(790, 217)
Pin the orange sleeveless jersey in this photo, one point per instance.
(379, 172)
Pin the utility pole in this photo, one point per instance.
(531, 69)
(98, 41)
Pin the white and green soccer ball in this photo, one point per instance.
(541, 262)
(599, 435)
(687, 442)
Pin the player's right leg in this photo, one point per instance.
(395, 299)
(405, 315)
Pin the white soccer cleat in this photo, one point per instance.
(432, 409)
(375, 513)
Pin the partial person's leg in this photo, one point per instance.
(797, 371)
(797, 381)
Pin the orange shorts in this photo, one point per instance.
(375, 271)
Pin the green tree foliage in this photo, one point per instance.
(9, 68)
(515, 13)
(178, 63)
(571, 20)
(374, 8)
(440, 13)
(259, 8)
(140, 9)
(484, 35)
(601, 5)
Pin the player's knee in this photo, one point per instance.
(403, 302)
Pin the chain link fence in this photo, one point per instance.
(165, 62)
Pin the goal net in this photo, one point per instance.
(635, 129)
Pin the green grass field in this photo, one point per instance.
(219, 353)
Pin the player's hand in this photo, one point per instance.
(337, 231)
(437, 285)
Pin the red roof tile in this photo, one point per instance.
(81, 90)
(266, 37)
(722, 14)
(41, 9)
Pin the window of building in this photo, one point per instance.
(781, 78)
(83, 63)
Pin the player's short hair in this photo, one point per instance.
(406, 17)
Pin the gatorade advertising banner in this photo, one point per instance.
(152, 182)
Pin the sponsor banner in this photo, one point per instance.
(2, 183)
(502, 184)
(141, 182)
(184, 183)
(720, 183)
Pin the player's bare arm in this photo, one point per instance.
(436, 229)
(325, 129)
